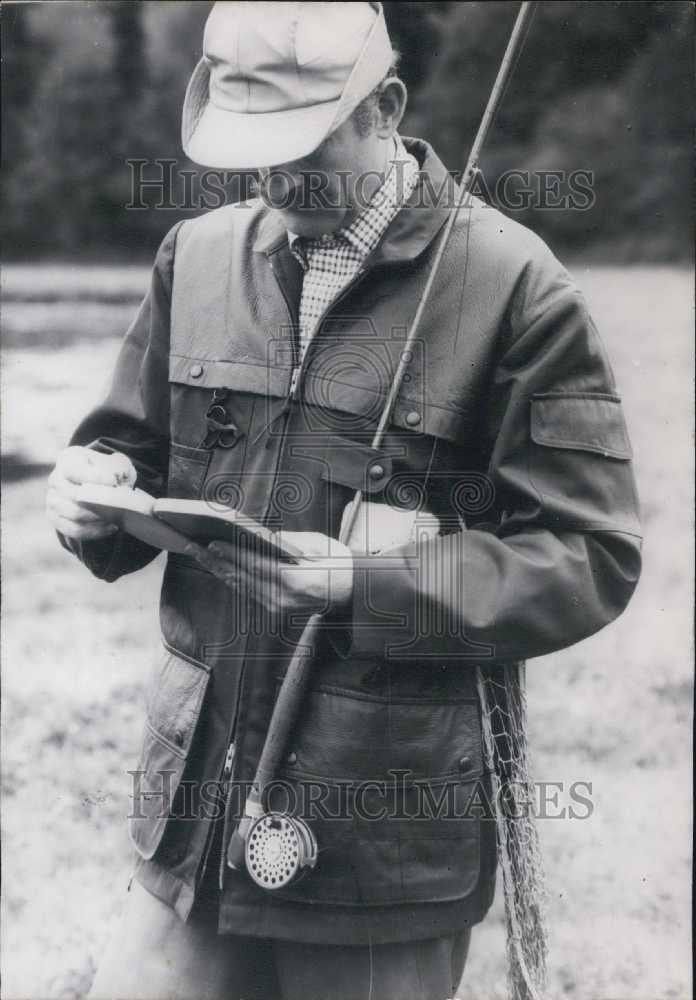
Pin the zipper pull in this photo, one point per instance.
(229, 761)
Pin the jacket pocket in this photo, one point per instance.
(579, 462)
(187, 471)
(387, 786)
(174, 701)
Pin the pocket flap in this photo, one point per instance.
(242, 375)
(346, 736)
(581, 422)
(175, 698)
(355, 464)
(174, 703)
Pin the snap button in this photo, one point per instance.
(464, 763)
(407, 357)
(376, 471)
(195, 371)
(413, 418)
(292, 758)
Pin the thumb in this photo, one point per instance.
(122, 470)
(312, 544)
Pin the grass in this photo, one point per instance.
(614, 710)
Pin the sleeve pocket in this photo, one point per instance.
(174, 706)
(579, 462)
(591, 422)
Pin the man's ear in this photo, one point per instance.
(391, 104)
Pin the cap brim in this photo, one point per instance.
(228, 140)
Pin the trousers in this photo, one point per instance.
(154, 955)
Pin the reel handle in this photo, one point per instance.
(237, 844)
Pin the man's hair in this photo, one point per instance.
(365, 114)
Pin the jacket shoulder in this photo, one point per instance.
(512, 245)
(240, 220)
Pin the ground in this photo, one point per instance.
(614, 710)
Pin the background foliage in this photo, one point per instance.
(603, 86)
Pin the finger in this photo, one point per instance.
(82, 532)
(63, 506)
(75, 465)
(312, 544)
(123, 469)
(84, 465)
(224, 550)
(221, 568)
(195, 550)
(244, 557)
(201, 554)
(264, 592)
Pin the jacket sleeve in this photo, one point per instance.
(562, 557)
(134, 418)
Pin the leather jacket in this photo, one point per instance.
(508, 428)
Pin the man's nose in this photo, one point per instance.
(280, 184)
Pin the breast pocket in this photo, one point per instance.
(220, 415)
(174, 702)
(188, 468)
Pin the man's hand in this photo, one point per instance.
(319, 582)
(75, 467)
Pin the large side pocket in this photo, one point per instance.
(389, 788)
(174, 701)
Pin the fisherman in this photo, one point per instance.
(500, 521)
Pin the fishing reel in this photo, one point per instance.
(278, 851)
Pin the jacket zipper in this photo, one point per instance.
(299, 365)
(229, 761)
(228, 765)
(223, 777)
(299, 371)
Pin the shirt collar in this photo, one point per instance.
(411, 230)
(365, 231)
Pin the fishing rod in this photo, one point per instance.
(277, 849)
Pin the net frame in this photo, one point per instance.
(502, 695)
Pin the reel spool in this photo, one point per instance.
(279, 849)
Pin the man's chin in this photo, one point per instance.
(311, 223)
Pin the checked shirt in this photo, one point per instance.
(330, 261)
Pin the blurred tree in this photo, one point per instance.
(569, 47)
(22, 59)
(129, 44)
(600, 85)
(415, 30)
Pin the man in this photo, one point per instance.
(255, 375)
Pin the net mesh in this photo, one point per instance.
(503, 703)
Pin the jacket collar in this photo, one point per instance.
(414, 226)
